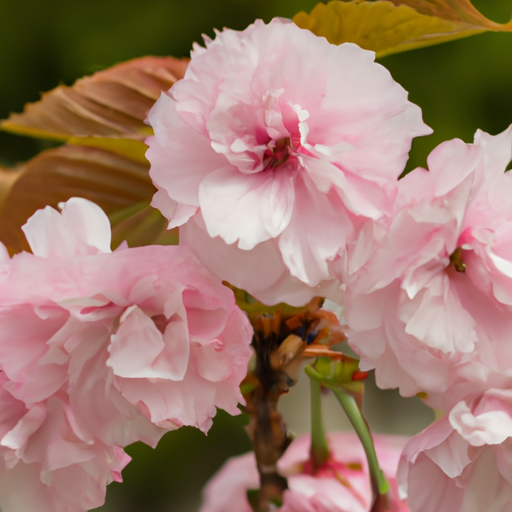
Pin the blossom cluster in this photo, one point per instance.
(279, 155)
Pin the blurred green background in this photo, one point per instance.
(461, 86)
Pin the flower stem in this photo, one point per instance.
(353, 413)
(319, 448)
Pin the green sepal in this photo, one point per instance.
(278, 502)
(337, 373)
(252, 306)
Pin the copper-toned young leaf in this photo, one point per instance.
(453, 10)
(7, 179)
(112, 181)
(110, 103)
(388, 27)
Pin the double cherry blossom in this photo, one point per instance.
(273, 149)
(340, 485)
(99, 350)
(278, 155)
(462, 463)
(431, 308)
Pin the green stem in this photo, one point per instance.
(356, 418)
(319, 447)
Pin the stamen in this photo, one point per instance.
(280, 153)
(456, 259)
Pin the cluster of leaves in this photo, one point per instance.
(100, 121)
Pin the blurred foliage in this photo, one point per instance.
(461, 86)
(102, 119)
(169, 478)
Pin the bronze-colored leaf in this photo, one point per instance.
(110, 103)
(453, 10)
(388, 27)
(112, 181)
(140, 224)
(8, 177)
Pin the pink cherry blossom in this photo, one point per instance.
(45, 465)
(277, 144)
(99, 350)
(462, 463)
(429, 301)
(341, 485)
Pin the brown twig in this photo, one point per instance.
(279, 343)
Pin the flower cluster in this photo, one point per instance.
(436, 288)
(279, 156)
(447, 334)
(99, 350)
(430, 309)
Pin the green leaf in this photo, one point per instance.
(388, 27)
(140, 224)
(130, 148)
(110, 103)
(254, 308)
